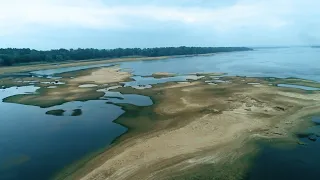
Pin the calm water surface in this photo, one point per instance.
(302, 162)
(34, 145)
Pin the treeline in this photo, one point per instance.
(10, 56)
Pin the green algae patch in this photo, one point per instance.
(76, 112)
(56, 112)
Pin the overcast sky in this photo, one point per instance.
(46, 24)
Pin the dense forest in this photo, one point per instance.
(10, 56)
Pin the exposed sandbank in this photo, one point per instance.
(103, 76)
(195, 124)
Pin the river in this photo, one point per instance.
(34, 145)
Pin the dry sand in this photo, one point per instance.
(103, 76)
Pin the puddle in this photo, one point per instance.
(119, 98)
(87, 85)
(145, 82)
(298, 87)
(7, 92)
(113, 87)
(53, 82)
(142, 87)
(211, 82)
(220, 81)
(254, 83)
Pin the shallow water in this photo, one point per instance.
(34, 145)
(50, 72)
(301, 162)
(299, 87)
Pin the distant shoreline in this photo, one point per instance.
(34, 66)
(12, 56)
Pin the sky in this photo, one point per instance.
(51, 24)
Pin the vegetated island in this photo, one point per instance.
(11, 56)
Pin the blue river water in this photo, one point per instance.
(34, 145)
(283, 62)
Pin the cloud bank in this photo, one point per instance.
(81, 23)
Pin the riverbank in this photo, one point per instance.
(65, 64)
(196, 124)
